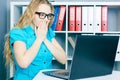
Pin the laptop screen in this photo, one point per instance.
(93, 56)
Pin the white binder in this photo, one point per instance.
(90, 18)
(84, 19)
(97, 19)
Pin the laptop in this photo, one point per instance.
(93, 56)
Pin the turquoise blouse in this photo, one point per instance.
(43, 60)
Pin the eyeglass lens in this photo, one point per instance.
(43, 15)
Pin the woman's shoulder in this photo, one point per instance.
(16, 31)
(17, 34)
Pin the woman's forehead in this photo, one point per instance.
(44, 8)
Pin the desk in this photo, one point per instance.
(114, 76)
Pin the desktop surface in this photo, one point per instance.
(114, 76)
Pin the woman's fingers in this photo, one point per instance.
(42, 27)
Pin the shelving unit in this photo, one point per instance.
(62, 36)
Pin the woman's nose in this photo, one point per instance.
(46, 19)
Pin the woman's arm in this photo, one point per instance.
(25, 57)
(56, 50)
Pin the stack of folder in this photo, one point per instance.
(75, 18)
(59, 18)
(81, 18)
(88, 18)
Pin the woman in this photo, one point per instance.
(32, 43)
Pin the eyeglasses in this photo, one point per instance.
(43, 15)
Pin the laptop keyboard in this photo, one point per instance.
(58, 73)
(62, 72)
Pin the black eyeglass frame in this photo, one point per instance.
(48, 15)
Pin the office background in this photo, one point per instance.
(4, 6)
(4, 28)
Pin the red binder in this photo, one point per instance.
(60, 21)
(72, 18)
(104, 18)
(78, 21)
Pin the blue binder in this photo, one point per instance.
(56, 13)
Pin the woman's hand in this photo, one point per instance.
(41, 30)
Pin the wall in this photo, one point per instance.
(3, 30)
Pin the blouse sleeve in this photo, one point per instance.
(16, 35)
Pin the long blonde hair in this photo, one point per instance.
(25, 20)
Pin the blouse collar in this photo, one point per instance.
(30, 30)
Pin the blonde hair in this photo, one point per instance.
(25, 20)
